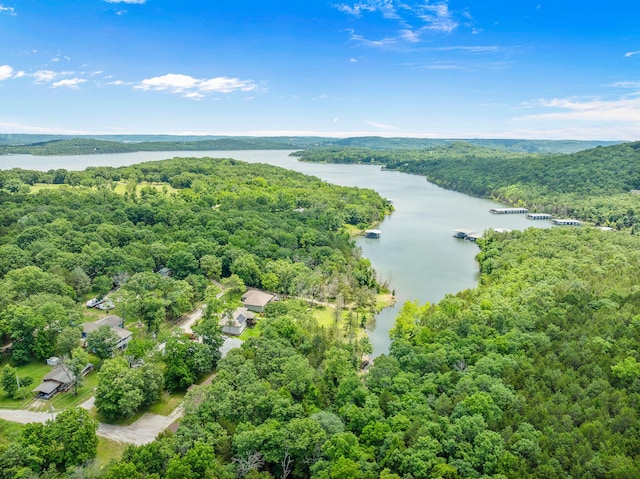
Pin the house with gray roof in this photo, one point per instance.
(58, 380)
(237, 321)
(116, 323)
(255, 300)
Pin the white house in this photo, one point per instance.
(235, 323)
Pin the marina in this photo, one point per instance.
(538, 216)
(508, 211)
(566, 222)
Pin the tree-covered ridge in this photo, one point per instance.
(535, 373)
(269, 227)
(594, 185)
(87, 146)
(26, 143)
(512, 145)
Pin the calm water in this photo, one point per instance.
(416, 253)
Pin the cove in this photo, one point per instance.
(416, 253)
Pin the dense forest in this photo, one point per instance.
(534, 373)
(107, 231)
(595, 185)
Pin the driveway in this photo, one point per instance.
(143, 431)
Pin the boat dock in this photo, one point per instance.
(372, 233)
(466, 234)
(538, 216)
(567, 222)
(508, 211)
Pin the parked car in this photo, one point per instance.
(93, 302)
(106, 305)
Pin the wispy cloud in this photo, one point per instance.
(630, 54)
(621, 110)
(382, 126)
(409, 23)
(139, 2)
(7, 10)
(58, 58)
(191, 87)
(69, 83)
(626, 84)
(45, 76)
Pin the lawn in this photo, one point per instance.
(36, 370)
(108, 450)
(68, 399)
(44, 186)
(168, 402)
(121, 187)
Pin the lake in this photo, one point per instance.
(416, 252)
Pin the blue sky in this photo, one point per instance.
(448, 68)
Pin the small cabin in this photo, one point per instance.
(566, 222)
(538, 216)
(508, 211)
(372, 233)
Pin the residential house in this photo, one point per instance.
(58, 380)
(116, 323)
(255, 300)
(235, 323)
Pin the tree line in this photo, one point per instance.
(595, 185)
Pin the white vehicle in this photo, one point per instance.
(93, 302)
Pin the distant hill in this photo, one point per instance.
(82, 146)
(520, 146)
(55, 144)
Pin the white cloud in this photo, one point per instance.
(621, 113)
(410, 21)
(174, 82)
(226, 85)
(630, 54)
(382, 126)
(196, 88)
(627, 84)
(43, 76)
(7, 10)
(139, 2)
(69, 83)
(6, 72)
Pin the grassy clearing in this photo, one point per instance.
(251, 332)
(108, 450)
(45, 186)
(36, 370)
(325, 315)
(168, 402)
(121, 187)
